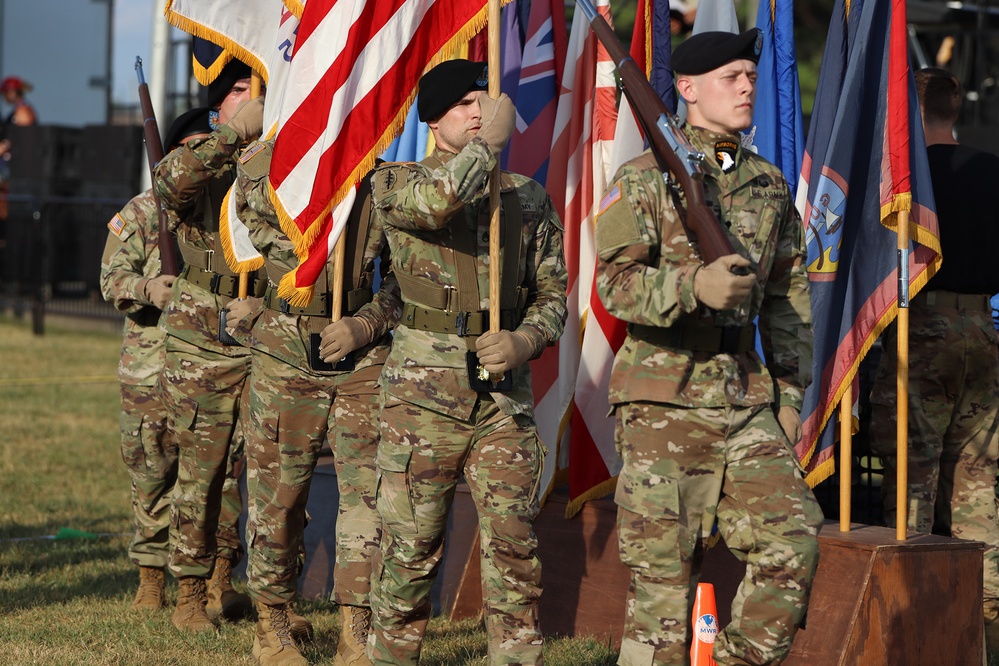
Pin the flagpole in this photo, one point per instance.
(902, 380)
(494, 179)
(845, 458)
(244, 276)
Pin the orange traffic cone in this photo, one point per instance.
(705, 626)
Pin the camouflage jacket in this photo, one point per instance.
(191, 182)
(131, 257)
(286, 336)
(419, 204)
(645, 275)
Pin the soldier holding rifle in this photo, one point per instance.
(440, 418)
(203, 378)
(703, 427)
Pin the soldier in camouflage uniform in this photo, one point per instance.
(294, 407)
(130, 278)
(434, 426)
(953, 354)
(203, 379)
(702, 436)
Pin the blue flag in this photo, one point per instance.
(777, 133)
(852, 259)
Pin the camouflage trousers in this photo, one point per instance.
(202, 392)
(150, 455)
(682, 470)
(421, 457)
(292, 413)
(953, 428)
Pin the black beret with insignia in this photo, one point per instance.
(235, 70)
(710, 50)
(187, 124)
(447, 83)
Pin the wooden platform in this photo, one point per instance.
(875, 601)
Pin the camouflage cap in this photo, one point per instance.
(447, 83)
(710, 50)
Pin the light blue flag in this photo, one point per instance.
(411, 145)
(777, 132)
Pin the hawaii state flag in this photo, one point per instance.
(865, 160)
(351, 82)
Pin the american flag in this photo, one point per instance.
(351, 82)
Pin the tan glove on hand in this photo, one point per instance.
(498, 119)
(342, 337)
(717, 287)
(248, 119)
(159, 290)
(504, 350)
(241, 309)
(790, 422)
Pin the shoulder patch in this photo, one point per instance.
(252, 150)
(116, 225)
(388, 179)
(610, 198)
(255, 161)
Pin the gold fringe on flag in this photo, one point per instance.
(301, 296)
(231, 48)
(225, 236)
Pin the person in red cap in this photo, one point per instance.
(13, 89)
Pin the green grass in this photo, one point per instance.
(65, 602)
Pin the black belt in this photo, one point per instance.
(949, 299)
(711, 339)
(223, 285)
(456, 323)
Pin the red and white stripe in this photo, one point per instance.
(584, 126)
(351, 81)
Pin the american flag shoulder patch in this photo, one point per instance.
(613, 195)
(116, 225)
(248, 154)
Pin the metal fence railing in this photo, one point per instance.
(50, 256)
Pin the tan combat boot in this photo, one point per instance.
(150, 595)
(223, 600)
(301, 629)
(272, 641)
(353, 636)
(190, 613)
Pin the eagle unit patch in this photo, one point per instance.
(725, 152)
(116, 225)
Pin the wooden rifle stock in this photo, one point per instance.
(672, 149)
(154, 153)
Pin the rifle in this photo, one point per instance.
(154, 153)
(672, 149)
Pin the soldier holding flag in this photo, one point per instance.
(435, 427)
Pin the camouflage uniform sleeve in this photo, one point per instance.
(255, 208)
(645, 271)
(786, 317)
(385, 309)
(428, 200)
(123, 264)
(546, 280)
(180, 176)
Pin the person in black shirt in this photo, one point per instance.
(953, 353)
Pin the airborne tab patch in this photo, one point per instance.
(725, 152)
(116, 225)
(613, 196)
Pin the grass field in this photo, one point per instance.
(65, 601)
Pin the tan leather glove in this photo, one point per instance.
(159, 290)
(342, 337)
(716, 286)
(248, 119)
(790, 421)
(498, 119)
(504, 350)
(241, 311)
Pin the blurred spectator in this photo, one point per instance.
(12, 88)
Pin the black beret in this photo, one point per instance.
(706, 51)
(187, 124)
(235, 70)
(447, 83)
